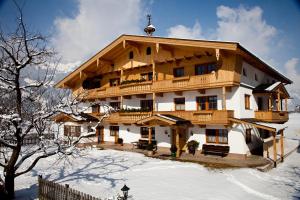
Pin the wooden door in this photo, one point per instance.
(182, 137)
(100, 134)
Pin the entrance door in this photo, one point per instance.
(260, 103)
(182, 137)
(100, 134)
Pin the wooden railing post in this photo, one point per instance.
(274, 149)
(281, 145)
(40, 185)
(67, 191)
(224, 98)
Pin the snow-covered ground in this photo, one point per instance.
(102, 173)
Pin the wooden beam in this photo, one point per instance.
(278, 101)
(252, 124)
(168, 48)
(270, 102)
(281, 146)
(224, 98)
(149, 135)
(274, 149)
(177, 141)
(218, 54)
(154, 101)
(286, 104)
(157, 47)
(121, 102)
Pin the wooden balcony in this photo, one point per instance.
(127, 117)
(136, 88)
(185, 83)
(272, 116)
(212, 117)
(203, 117)
(102, 93)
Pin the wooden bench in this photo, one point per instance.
(215, 149)
(142, 144)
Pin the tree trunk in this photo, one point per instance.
(10, 184)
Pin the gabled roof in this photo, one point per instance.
(271, 88)
(232, 46)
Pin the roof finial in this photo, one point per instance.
(150, 28)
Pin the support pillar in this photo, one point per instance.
(286, 104)
(270, 103)
(224, 98)
(278, 102)
(121, 102)
(281, 145)
(177, 141)
(274, 149)
(149, 135)
(154, 101)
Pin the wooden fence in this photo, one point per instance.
(49, 190)
(30, 139)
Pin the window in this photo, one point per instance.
(145, 132)
(207, 103)
(131, 55)
(95, 108)
(148, 51)
(178, 72)
(73, 131)
(255, 77)
(218, 136)
(114, 82)
(205, 68)
(244, 72)
(114, 130)
(147, 76)
(248, 135)
(247, 101)
(146, 105)
(179, 103)
(115, 105)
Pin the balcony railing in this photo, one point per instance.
(184, 83)
(127, 117)
(203, 117)
(136, 88)
(180, 83)
(102, 92)
(196, 117)
(272, 116)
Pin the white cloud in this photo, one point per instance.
(181, 31)
(247, 27)
(290, 66)
(97, 23)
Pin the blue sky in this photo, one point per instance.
(79, 28)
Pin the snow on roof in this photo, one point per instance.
(273, 125)
(274, 85)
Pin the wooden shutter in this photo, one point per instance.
(77, 131)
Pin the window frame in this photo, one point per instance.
(148, 103)
(216, 133)
(114, 130)
(148, 51)
(247, 102)
(95, 108)
(207, 104)
(176, 70)
(144, 131)
(114, 82)
(130, 55)
(72, 130)
(179, 106)
(117, 105)
(205, 68)
(147, 76)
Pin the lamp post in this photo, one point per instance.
(125, 190)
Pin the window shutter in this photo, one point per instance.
(66, 130)
(77, 131)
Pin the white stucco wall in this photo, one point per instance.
(135, 102)
(262, 77)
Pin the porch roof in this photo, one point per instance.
(272, 88)
(163, 119)
(273, 127)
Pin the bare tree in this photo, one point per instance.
(27, 105)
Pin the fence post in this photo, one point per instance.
(40, 177)
(67, 191)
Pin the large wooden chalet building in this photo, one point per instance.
(175, 90)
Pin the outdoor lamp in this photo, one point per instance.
(125, 190)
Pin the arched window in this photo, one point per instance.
(148, 51)
(131, 55)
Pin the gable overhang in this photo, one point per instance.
(126, 40)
